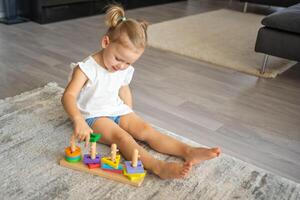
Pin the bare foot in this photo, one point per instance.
(172, 170)
(198, 154)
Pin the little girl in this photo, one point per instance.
(98, 99)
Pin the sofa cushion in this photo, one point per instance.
(287, 19)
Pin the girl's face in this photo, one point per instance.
(117, 56)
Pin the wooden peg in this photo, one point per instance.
(73, 143)
(113, 152)
(135, 157)
(93, 150)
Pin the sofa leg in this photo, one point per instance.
(245, 7)
(264, 65)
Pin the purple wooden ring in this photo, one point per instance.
(134, 170)
(88, 160)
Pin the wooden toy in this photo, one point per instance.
(106, 166)
(112, 163)
(118, 171)
(73, 152)
(135, 166)
(80, 166)
(114, 152)
(115, 172)
(93, 139)
(87, 159)
(73, 159)
(134, 177)
(135, 157)
(134, 169)
(92, 158)
(69, 153)
(114, 159)
(93, 165)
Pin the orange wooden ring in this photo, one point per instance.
(76, 153)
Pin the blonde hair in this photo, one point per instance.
(118, 24)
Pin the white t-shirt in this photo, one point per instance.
(100, 95)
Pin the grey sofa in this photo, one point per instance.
(280, 35)
(280, 3)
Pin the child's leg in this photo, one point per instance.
(112, 133)
(141, 130)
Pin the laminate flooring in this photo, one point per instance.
(256, 120)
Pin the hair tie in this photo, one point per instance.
(122, 19)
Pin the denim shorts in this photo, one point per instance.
(92, 120)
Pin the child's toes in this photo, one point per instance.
(185, 171)
(184, 174)
(218, 152)
(188, 164)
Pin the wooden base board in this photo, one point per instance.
(80, 166)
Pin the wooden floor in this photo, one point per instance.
(255, 120)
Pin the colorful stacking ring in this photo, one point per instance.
(76, 153)
(73, 159)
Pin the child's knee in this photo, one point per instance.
(145, 132)
(121, 137)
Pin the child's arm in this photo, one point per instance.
(125, 95)
(81, 129)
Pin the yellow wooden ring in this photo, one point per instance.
(76, 153)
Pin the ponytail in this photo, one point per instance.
(117, 23)
(114, 15)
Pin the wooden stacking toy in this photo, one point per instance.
(112, 163)
(109, 167)
(92, 160)
(134, 169)
(73, 152)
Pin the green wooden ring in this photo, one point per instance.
(73, 158)
(77, 159)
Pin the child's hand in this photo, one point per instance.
(82, 131)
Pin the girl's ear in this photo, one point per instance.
(105, 41)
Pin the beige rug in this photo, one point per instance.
(223, 37)
(34, 130)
